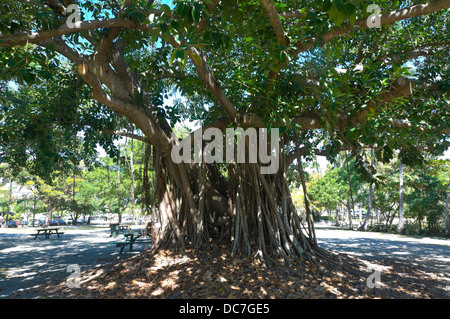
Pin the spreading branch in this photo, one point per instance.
(274, 18)
(21, 37)
(125, 134)
(207, 76)
(385, 19)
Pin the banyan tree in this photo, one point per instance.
(324, 76)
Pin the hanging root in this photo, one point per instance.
(262, 220)
(265, 219)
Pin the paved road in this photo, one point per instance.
(430, 253)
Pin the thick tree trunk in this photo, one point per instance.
(251, 212)
(48, 216)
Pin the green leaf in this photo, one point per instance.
(154, 34)
(349, 9)
(197, 59)
(196, 14)
(353, 18)
(166, 9)
(326, 5)
(164, 27)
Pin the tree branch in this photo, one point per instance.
(205, 73)
(274, 18)
(402, 87)
(292, 14)
(61, 47)
(412, 53)
(125, 134)
(20, 37)
(57, 7)
(211, 7)
(385, 19)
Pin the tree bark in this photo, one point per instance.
(337, 217)
(146, 181)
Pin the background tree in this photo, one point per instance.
(323, 192)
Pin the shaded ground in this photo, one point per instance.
(217, 275)
(170, 276)
(26, 263)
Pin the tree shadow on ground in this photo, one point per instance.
(33, 263)
(168, 276)
(435, 258)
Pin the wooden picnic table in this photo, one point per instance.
(47, 232)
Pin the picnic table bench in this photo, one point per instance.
(47, 232)
(130, 239)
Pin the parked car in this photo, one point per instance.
(12, 223)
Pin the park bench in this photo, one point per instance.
(47, 232)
